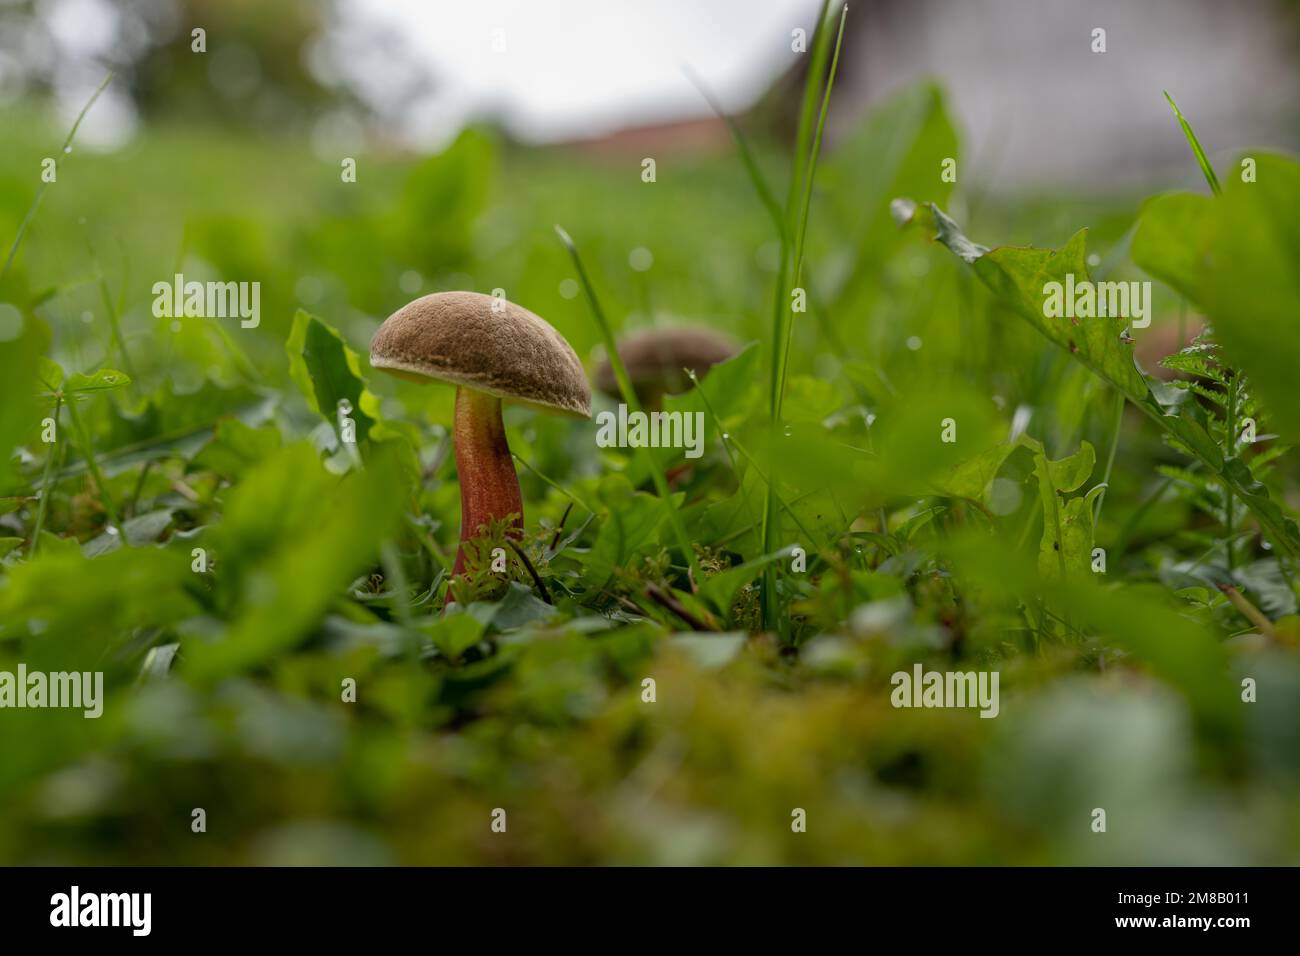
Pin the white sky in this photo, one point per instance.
(573, 68)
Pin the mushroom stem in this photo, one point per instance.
(489, 488)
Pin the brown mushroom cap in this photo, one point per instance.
(511, 353)
(654, 358)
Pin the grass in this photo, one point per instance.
(773, 678)
(40, 192)
(634, 405)
(792, 244)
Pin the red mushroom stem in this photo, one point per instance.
(489, 488)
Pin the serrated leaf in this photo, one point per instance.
(1016, 276)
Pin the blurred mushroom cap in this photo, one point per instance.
(655, 358)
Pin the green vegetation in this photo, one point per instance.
(201, 530)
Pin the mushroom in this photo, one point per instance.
(655, 359)
(491, 350)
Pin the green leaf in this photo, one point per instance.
(519, 608)
(630, 525)
(1173, 240)
(49, 373)
(720, 589)
(1253, 294)
(896, 151)
(293, 536)
(146, 528)
(454, 634)
(115, 593)
(972, 477)
(910, 440)
(328, 372)
(947, 232)
(1069, 474)
(1266, 584)
(236, 447)
(1016, 276)
(1065, 548)
(102, 380)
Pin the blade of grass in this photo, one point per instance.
(812, 85)
(768, 200)
(801, 228)
(1192, 141)
(45, 481)
(806, 152)
(1120, 402)
(747, 159)
(1229, 503)
(40, 193)
(630, 399)
(88, 450)
(816, 149)
(114, 325)
(562, 490)
(444, 561)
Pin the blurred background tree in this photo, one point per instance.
(278, 66)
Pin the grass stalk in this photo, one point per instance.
(1206, 169)
(630, 399)
(1120, 402)
(88, 450)
(746, 153)
(43, 505)
(40, 193)
(807, 150)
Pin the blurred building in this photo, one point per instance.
(1038, 106)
